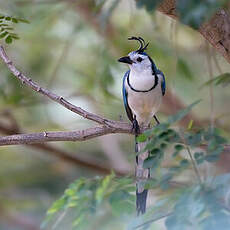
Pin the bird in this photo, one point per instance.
(143, 89)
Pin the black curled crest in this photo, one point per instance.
(143, 45)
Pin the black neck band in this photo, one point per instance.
(144, 91)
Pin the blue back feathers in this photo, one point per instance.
(157, 71)
(163, 84)
(125, 98)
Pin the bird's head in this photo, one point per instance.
(138, 60)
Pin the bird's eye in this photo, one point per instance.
(139, 59)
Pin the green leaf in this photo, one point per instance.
(2, 25)
(178, 147)
(101, 190)
(8, 18)
(165, 179)
(8, 39)
(184, 163)
(193, 139)
(190, 124)
(122, 202)
(8, 28)
(153, 161)
(150, 5)
(184, 70)
(2, 35)
(151, 183)
(142, 138)
(149, 162)
(14, 36)
(78, 220)
(155, 151)
(57, 205)
(164, 135)
(23, 20)
(182, 113)
(199, 157)
(163, 146)
(223, 79)
(211, 158)
(14, 20)
(194, 13)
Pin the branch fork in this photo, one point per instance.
(106, 126)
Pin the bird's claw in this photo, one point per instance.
(136, 128)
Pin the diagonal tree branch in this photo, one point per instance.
(35, 139)
(59, 99)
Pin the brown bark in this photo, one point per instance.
(216, 31)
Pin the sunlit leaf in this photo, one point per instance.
(8, 39)
(190, 124)
(142, 138)
(2, 35)
(101, 190)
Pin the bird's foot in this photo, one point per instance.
(156, 119)
(136, 128)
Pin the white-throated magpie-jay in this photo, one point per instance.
(143, 89)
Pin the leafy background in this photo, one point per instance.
(72, 47)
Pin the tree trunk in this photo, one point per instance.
(216, 31)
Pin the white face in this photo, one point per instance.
(140, 62)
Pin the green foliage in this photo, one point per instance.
(184, 70)
(193, 13)
(194, 203)
(149, 5)
(200, 207)
(196, 12)
(181, 114)
(88, 196)
(223, 79)
(109, 202)
(7, 29)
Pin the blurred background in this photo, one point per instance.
(72, 47)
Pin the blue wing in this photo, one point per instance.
(125, 98)
(163, 84)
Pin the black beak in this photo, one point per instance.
(125, 60)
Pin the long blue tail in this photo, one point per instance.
(141, 175)
(141, 199)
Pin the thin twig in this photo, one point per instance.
(194, 165)
(217, 64)
(153, 220)
(192, 160)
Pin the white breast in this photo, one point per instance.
(144, 104)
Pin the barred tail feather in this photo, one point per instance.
(141, 199)
(142, 175)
